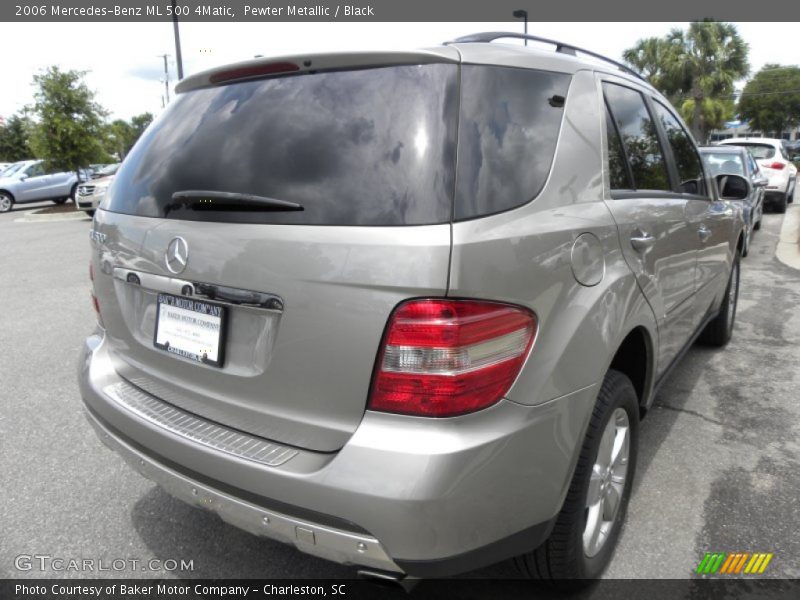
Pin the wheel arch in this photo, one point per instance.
(635, 358)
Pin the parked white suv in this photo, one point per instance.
(775, 164)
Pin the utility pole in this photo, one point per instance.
(178, 55)
(166, 75)
(522, 14)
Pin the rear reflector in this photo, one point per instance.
(253, 71)
(442, 358)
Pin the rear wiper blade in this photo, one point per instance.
(228, 201)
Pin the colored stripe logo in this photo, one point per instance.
(734, 563)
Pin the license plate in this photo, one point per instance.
(190, 328)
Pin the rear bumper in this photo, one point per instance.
(423, 497)
(778, 182)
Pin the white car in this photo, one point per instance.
(91, 193)
(775, 164)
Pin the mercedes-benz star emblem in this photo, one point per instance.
(177, 255)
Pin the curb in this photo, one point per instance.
(788, 250)
(34, 217)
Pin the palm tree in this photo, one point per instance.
(696, 69)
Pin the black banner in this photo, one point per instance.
(389, 10)
(358, 589)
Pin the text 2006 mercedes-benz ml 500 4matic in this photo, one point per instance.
(406, 310)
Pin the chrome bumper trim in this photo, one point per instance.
(325, 542)
(196, 429)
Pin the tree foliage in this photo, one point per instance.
(771, 99)
(696, 69)
(14, 139)
(122, 135)
(69, 122)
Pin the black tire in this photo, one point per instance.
(59, 201)
(780, 203)
(90, 213)
(790, 191)
(6, 202)
(757, 226)
(562, 560)
(719, 331)
(72, 192)
(746, 244)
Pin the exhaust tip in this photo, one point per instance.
(388, 579)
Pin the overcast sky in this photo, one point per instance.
(127, 74)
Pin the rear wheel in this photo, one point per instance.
(90, 213)
(746, 243)
(6, 202)
(72, 192)
(719, 331)
(59, 200)
(781, 202)
(589, 523)
(790, 191)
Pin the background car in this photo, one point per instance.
(91, 193)
(775, 163)
(736, 160)
(31, 182)
(104, 171)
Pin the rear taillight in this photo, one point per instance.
(442, 358)
(776, 165)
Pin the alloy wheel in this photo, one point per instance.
(607, 482)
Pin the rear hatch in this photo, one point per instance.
(369, 155)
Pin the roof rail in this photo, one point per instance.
(490, 36)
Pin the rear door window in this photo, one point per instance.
(509, 125)
(362, 147)
(639, 137)
(691, 179)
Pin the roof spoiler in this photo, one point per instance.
(260, 68)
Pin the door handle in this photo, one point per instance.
(642, 241)
(704, 233)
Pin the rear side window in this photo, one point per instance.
(639, 137)
(618, 169)
(687, 160)
(364, 147)
(508, 128)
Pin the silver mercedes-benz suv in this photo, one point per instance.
(404, 311)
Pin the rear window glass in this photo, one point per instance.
(723, 162)
(364, 147)
(508, 128)
(758, 150)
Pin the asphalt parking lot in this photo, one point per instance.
(719, 465)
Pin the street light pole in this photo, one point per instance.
(178, 55)
(166, 75)
(522, 14)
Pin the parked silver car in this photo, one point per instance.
(316, 322)
(91, 193)
(31, 182)
(738, 161)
